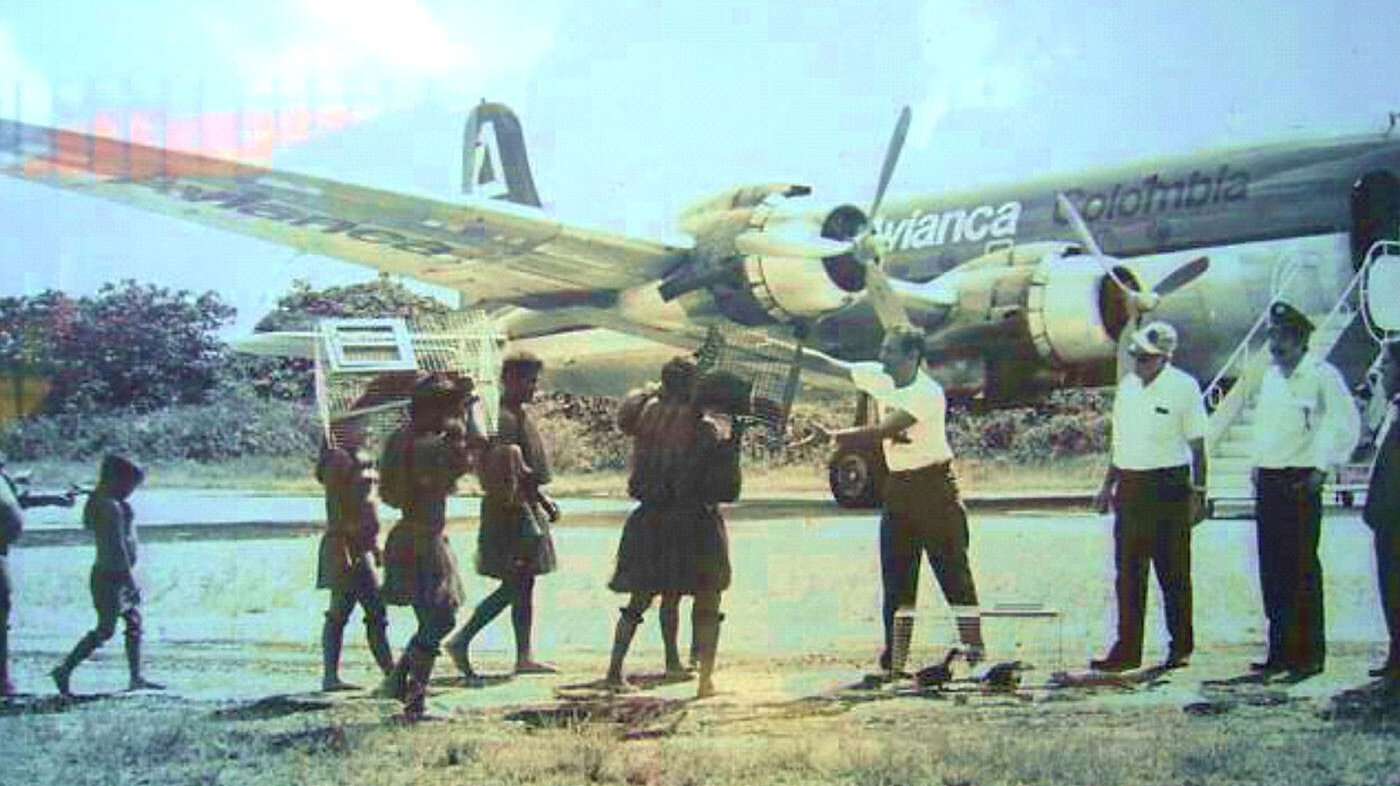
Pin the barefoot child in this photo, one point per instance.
(347, 559)
(114, 590)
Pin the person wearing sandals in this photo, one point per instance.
(675, 541)
(514, 544)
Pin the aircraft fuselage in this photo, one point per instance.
(1254, 212)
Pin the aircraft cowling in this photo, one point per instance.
(1012, 325)
(1074, 313)
(764, 265)
(789, 289)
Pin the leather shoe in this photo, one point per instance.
(1302, 672)
(1177, 660)
(1389, 671)
(1114, 665)
(1266, 667)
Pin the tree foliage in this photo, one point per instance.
(129, 347)
(382, 297)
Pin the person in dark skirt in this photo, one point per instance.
(348, 555)
(677, 387)
(675, 541)
(419, 467)
(514, 543)
(115, 593)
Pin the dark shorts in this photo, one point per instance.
(114, 593)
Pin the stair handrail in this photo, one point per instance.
(1377, 249)
(1227, 407)
(1341, 307)
(1215, 391)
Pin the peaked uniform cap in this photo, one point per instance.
(1283, 316)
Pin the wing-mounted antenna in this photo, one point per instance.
(495, 164)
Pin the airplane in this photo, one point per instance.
(1021, 289)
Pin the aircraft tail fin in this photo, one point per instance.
(495, 164)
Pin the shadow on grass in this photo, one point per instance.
(474, 681)
(278, 706)
(1374, 704)
(28, 704)
(636, 717)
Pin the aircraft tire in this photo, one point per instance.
(855, 478)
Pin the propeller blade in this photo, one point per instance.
(901, 129)
(1182, 276)
(888, 308)
(1087, 238)
(1080, 228)
(775, 245)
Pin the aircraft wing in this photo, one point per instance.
(489, 252)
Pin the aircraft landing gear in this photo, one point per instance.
(857, 475)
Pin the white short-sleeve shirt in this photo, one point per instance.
(923, 399)
(1153, 424)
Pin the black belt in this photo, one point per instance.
(936, 467)
(1143, 473)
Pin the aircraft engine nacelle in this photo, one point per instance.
(786, 289)
(764, 263)
(1074, 313)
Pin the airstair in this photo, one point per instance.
(1230, 396)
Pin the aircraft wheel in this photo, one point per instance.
(855, 477)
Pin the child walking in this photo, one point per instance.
(114, 590)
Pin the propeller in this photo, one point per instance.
(1136, 301)
(867, 246)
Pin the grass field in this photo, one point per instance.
(233, 631)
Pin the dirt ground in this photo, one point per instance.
(234, 622)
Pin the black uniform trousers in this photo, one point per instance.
(923, 513)
(1288, 526)
(1387, 544)
(1152, 529)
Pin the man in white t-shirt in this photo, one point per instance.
(923, 511)
(1155, 485)
(1305, 425)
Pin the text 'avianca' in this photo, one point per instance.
(922, 230)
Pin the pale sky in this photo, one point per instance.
(633, 110)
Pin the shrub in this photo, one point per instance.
(130, 347)
(235, 423)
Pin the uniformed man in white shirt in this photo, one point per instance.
(923, 511)
(1155, 484)
(1305, 425)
